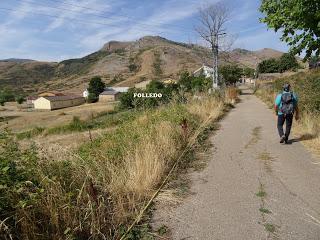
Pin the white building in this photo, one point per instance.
(118, 89)
(85, 93)
(204, 71)
(57, 102)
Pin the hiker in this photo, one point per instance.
(286, 105)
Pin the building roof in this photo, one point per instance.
(32, 97)
(62, 98)
(109, 93)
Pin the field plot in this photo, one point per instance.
(17, 119)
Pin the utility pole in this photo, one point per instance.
(215, 51)
(212, 19)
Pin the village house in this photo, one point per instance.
(109, 96)
(118, 89)
(204, 71)
(57, 102)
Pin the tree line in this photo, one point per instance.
(286, 62)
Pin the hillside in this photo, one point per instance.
(119, 63)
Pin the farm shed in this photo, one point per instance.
(109, 96)
(57, 102)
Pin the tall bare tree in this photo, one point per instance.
(213, 19)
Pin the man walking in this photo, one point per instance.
(286, 105)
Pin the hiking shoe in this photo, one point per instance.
(282, 139)
(286, 140)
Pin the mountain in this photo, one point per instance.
(121, 64)
(16, 60)
(252, 58)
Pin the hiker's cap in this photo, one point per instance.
(286, 87)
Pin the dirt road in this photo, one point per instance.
(253, 187)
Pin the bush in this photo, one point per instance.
(133, 67)
(6, 95)
(19, 185)
(20, 99)
(92, 98)
(188, 82)
(128, 101)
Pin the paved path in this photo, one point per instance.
(253, 187)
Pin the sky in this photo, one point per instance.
(54, 30)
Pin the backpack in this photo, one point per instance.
(287, 106)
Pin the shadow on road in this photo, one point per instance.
(302, 138)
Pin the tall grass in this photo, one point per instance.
(95, 192)
(307, 86)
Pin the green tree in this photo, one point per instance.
(287, 62)
(269, 66)
(248, 72)
(299, 21)
(230, 73)
(96, 86)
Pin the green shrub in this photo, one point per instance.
(133, 67)
(19, 185)
(20, 99)
(92, 98)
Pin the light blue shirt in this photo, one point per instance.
(279, 103)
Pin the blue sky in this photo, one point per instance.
(53, 30)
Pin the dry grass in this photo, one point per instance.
(307, 130)
(232, 94)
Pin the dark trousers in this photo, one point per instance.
(288, 119)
